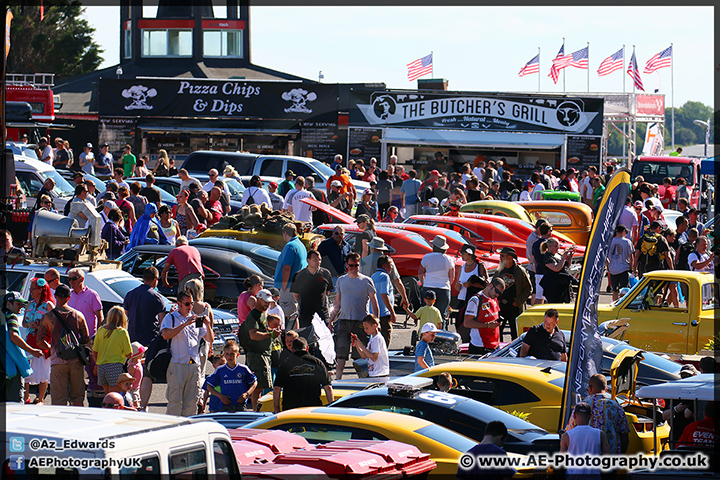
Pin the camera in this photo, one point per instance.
(199, 321)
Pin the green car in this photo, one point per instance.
(556, 195)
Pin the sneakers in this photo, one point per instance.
(28, 401)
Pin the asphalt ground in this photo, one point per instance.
(401, 336)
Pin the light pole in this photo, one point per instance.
(705, 124)
(119, 71)
(320, 76)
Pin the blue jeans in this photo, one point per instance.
(442, 302)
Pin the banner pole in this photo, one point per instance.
(539, 70)
(672, 96)
(623, 69)
(563, 70)
(588, 59)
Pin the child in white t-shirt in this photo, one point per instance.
(376, 350)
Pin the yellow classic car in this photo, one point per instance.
(324, 424)
(530, 389)
(263, 237)
(669, 311)
(573, 219)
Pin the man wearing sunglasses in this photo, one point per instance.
(334, 250)
(482, 316)
(183, 374)
(354, 290)
(85, 300)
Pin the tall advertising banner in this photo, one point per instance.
(585, 345)
(654, 143)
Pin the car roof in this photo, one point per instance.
(511, 371)
(355, 415)
(27, 163)
(700, 387)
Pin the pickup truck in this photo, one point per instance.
(651, 319)
(202, 161)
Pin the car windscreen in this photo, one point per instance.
(322, 168)
(655, 172)
(62, 186)
(446, 437)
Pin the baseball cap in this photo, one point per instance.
(693, 210)
(89, 145)
(289, 173)
(62, 291)
(274, 291)
(657, 207)
(362, 218)
(548, 168)
(336, 183)
(273, 184)
(434, 201)
(265, 295)
(434, 173)
(338, 166)
(429, 327)
(688, 370)
(639, 203)
(78, 174)
(111, 205)
(430, 294)
(469, 249)
(14, 297)
(104, 145)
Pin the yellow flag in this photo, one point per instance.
(8, 19)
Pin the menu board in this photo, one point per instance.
(364, 143)
(320, 140)
(583, 151)
(117, 132)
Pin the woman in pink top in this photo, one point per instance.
(247, 300)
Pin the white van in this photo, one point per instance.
(32, 173)
(108, 443)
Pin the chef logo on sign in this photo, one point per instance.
(568, 113)
(384, 106)
(299, 97)
(139, 95)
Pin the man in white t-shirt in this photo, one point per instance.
(437, 273)
(700, 260)
(46, 151)
(376, 351)
(586, 189)
(301, 210)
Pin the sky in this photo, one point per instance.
(474, 48)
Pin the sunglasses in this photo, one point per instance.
(187, 304)
(337, 233)
(111, 405)
(72, 279)
(353, 265)
(499, 292)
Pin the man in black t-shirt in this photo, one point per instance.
(149, 191)
(302, 376)
(517, 289)
(310, 287)
(545, 341)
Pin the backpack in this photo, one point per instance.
(158, 356)
(243, 336)
(66, 210)
(250, 199)
(648, 247)
(683, 254)
(69, 347)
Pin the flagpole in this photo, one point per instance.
(633, 55)
(563, 68)
(588, 59)
(672, 96)
(623, 69)
(539, 70)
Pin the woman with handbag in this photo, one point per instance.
(40, 304)
(112, 349)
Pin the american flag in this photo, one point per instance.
(559, 62)
(420, 67)
(659, 60)
(533, 66)
(612, 63)
(580, 59)
(634, 73)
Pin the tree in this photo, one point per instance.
(62, 43)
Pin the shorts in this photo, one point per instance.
(621, 280)
(108, 373)
(538, 287)
(259, 364)
(342, 338)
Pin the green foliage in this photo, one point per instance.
(713, 342)
(61, 44)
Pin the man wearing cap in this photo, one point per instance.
(347, 185)
(104, 213)
(680, 412)
(183, 374)
(87, 159)
(338, 199)
(427, 188)
(46, 152)
(651, 251)
(257, 334)
(437, 273)
(517, 289)
(423, 353)
(293, 258)
(482, 317)
(277, 202)
(368, 266)
(354, 292)
(545, 341)
(385, 296)
(300, 379)
(104, 161)
(13, 302)
(67, 377)
(692, 216)
(310, 287)
(287, 184)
